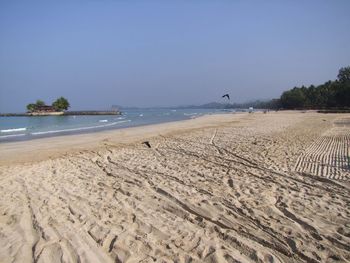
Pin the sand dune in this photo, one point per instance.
(243, 188)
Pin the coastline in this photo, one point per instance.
(55, 146)
(35, 127)
(219, 188)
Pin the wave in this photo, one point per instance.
(103, 121)
(121, 118)
(13, 130)
(190, 114)
(79, 129)
(12, 135)
(141, 115)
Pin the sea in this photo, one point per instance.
(29, 128)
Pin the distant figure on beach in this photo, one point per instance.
(251, 109)
(226, 95)
(147, 144)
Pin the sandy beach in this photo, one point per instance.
(243, 187)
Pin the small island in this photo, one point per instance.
(40, 108)
(58, 108)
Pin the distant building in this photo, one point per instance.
(45, 108)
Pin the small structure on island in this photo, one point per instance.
(45, 108)
(57, 108)
(40, 108)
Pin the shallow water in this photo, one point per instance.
(27, 128)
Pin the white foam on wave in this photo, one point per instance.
(190, 114)
(13, 130)
(141, 115)
(121, 118)
(12, 135)
(103, 121)
(79, 129)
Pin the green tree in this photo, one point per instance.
(342, 93)
(344, 74)
(293, 98)
(61, 104)
(31, 107)
(331, 94)
(40, 103)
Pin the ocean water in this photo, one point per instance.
(28, 128)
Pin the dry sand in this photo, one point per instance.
(234, 188)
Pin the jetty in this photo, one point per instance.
(112, 112)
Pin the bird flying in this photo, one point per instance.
(147, 144)
(226, 95)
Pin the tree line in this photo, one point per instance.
(331, 94)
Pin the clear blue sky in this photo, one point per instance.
(158, 53)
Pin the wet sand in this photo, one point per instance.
(230, 188)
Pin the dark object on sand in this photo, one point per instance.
(226, 95)
(147, 144)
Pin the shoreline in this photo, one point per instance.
(55, 146)
(19, 152)
(218, 188)
(27, 130)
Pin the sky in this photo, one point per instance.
(166, 53)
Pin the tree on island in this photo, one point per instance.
(40, 103)
(61, 104)
(33, 106)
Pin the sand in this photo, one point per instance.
(232, 188)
